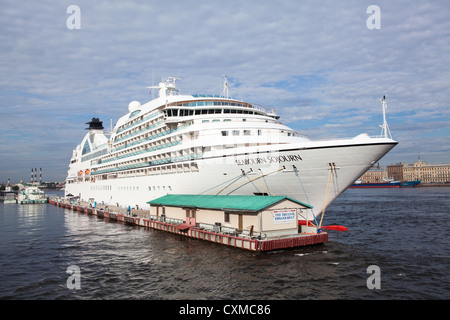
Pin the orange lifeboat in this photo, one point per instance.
(87, 171)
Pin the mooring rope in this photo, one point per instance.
(233, 180)
(329, 184)
(306, 195)
(265, 182)
(251, 180)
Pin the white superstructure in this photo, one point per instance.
(202, 144)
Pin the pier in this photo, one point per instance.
(142, 218)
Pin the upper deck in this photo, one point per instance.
(176, 127)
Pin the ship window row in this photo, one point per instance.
(218, 120)
(94, 155)
(139, 136)
(190, 112)
(138, 120)
(149, 188)
(138, 132)
(101, 188)
(225, 133)
(210, 103)
(163, 158)
(174, 168)
(159, 188)
(156, 170)
(128, 188)
(158, 133)
(143, 128)
(161, 144)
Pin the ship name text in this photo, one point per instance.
(269, 159)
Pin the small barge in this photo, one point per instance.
(255, 223)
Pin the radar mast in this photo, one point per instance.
(225, 92)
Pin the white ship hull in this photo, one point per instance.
(267, 172)
(197, 144)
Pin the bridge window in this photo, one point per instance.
(86, 148)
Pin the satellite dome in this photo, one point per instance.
(133, 105)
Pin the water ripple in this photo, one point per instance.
(117, 261)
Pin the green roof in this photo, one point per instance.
(230, 202)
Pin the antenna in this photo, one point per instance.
(167, 87)
(153, 81)
(385, 132)
(225, 92)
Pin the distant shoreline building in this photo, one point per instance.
(374, 175)
(419, 170)
(427, 173)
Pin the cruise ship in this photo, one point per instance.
(204, 144)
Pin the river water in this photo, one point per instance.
(402, 232)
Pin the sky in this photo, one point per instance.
(322, 65)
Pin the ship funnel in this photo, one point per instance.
(95, 124)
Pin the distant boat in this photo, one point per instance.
(31, 195)
(385, 184)
(8, 195)
(409, 184)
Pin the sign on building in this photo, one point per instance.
(284, 216)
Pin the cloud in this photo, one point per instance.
(318, 64)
